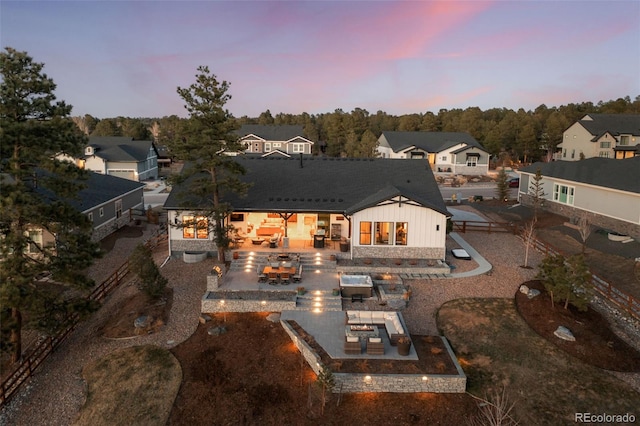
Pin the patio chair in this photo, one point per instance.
(262, 277)
(352, 345)
(284, 278)
(273, 278)
(375, 346)
(297, 277)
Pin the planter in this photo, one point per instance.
(344, 247)
(404, 348)
(332, 258)
(336, 292)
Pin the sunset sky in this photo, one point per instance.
(126, 58)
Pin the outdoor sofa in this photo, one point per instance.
(391, 320)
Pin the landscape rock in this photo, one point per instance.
(564, 333)
(524, 289)
(204, 318)
(274, 317)
(533, 293)
(142, 322)
(217, 330)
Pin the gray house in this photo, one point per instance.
(121, 156)
(606, 190)
(282, 140)
(446, 152)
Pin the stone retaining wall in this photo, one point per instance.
(212, 303)
(396, 252)
(399, 383)
(441, 268)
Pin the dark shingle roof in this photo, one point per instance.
(322, 184)
(616, 124)
(271, 133)
(623, 175)
(428, 141)
(125, 149)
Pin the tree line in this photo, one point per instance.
(524, 135)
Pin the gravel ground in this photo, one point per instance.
(57, 392)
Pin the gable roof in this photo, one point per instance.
(623, 175)
(432, 142)
(615, 124)
(271, 132)
(323, 184)
(116, 148)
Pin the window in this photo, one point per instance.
(624, 140)
(382, 233)
(472, 161)
(90, 217)
(604, 154)
(564, 153)
(101, 212)
(563, 194)
(298, 147)
(443, 158)
(605, 144)
(365, 233)
(267, 147)
(35, 241)
(195, 227)
(118, 209)
(573, 153)
(401, 233)
(276, 145)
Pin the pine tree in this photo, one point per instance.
(35, 194)
(209, 171)
(502, 186)
(536, 190)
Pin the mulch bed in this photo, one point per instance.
(596, 344)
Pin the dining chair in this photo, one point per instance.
(284, 278)
(273, 278)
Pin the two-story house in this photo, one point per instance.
(601, 135)
(284, 140)
(446, 152)
(121, 156)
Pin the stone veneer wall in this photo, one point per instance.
(399, 383)
(210, 305)
(395, 252)
(440, 268)
(619, 226)
(110, 227)
(178, 247)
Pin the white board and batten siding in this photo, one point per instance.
(425, 227)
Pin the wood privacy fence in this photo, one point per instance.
(481, 226)
(36, 354)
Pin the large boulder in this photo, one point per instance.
(564, 333)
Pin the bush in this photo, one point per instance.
(150, 280)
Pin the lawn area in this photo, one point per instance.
(498, 350)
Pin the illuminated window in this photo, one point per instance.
(401, 233)
(382, 233)
(202, 227)
(188, 230)
(195, 227)
(365, 233)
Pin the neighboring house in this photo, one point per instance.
(446, 152)
(601, 135)
(606, 190)
(121, 156)
(107, 201)
(386, 208)
(285, 140)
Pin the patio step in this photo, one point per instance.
(321, 301)
(308, 261)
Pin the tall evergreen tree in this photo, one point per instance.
(209, 172)
(35, 194)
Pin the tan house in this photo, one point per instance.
(601, 135)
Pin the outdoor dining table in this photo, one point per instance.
(279, 270)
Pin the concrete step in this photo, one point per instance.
(324, 301)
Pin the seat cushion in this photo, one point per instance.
(375, 339)
(352, 339)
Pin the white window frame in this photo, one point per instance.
(472, 161)
(267, 147)
(563, 194)
(101, 212)
(118, 206)
(90, 217)
(297, 148)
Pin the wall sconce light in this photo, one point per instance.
(437, 227)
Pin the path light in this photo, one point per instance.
(317, 310)
(264, 302)
(425, 378)
(318, 304)
(318, 293)
(367, 379)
